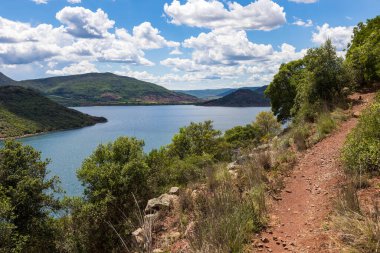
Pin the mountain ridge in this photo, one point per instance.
(240, 98)
(102, 89)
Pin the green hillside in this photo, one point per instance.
(105, 89)
(240, 98)
(25, 111)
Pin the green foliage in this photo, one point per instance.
(301, 89)
(112, 176)
(26, 200)
(267, 125)
(325, 125)
(104, 88)
(242, 136)
(196, 139)
(282, 90)
(25, 111)
(363, 54)
(361, 152)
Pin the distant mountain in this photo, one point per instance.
(4, 80)
(103, 89)
(206, 94)
(25, 111)
(240, 98)
(210, 94)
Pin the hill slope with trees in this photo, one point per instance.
(25, 111)
(240, 98)
(103, 89)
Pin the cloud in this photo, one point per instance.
(340, 35)
(75, 68)
(225, 47)
(259, 15)
(74, 1)
(304, 23)
(149, 38)
(304, 1)
(40, 1)
(79, 40)
(84, 23)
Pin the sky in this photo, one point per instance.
(179, 44)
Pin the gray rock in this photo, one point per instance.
(138, 235)
(163, 202)
(174, 191)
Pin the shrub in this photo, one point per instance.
(300, 135)
(267, 125)
(225, 220)
(242, 136)
(361, 152)
(325, 125)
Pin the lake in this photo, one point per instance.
(156, 125)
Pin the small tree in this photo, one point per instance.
(112, 176)
(196, 139)
(267, 124)
(26, 200)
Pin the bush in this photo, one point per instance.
(325, 125)
(267, 125)
(242, 136)
(361, 152)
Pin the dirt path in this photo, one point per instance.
(298, 220)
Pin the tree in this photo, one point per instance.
(267, 125)
(242, 136)
(113, 176)
(282, 90)
(196, 139)
(363, 54)
(26, 200)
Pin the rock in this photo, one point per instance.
(356, 114)
(234, 174)
(158, 251)
(163, 202)
(264, 240)
(174, 191)
(174, 236)
(242, 159)
(138, 235)
(233, 166)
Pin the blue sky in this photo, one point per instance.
(180, 44)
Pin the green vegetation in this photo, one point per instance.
(363, 54)
(361, 152)
(103, 89)
(304, 88)
(26, 201)
(25, 111)
(118, 179)
(240, 98)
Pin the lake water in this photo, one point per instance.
(156, 125)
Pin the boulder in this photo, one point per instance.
(233, 166)
(164, 202)
(174, 191)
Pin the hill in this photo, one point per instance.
(4, 80)
(209, 94)
(240, 98)
(25, 111)
(103, 89)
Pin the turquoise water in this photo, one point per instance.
(156, 125)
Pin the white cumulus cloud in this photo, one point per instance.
(304, 23)
(259, 15)
(340, 35)
(75, 68)
(84, 23)
(40, 1)
(74, 1)
(304, 1)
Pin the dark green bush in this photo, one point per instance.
(361, 151)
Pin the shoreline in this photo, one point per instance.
(46, 132)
